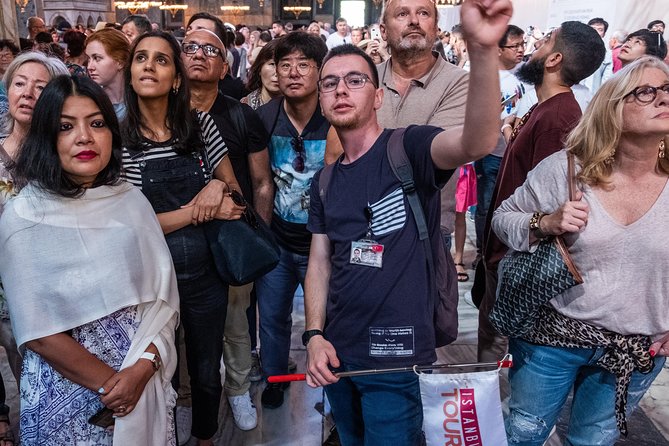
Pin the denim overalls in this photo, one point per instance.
(169, 184)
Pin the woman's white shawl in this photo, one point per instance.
(67, 262)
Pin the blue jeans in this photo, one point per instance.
(377, 410)
(486, 175)
(541, 379)
(275, 291)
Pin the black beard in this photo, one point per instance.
(532, 72)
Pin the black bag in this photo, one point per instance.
(529, 280)
(441, 269)
(243, 249)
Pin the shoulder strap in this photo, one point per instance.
(237, 116)
(324, 180)
(571, 176)
(399, 162)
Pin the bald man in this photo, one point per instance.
(203, 56)
(35, 26)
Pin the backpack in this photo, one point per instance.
(441, 269)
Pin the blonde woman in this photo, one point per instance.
(607, 338)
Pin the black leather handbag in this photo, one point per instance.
(243, 249)
(529, 280)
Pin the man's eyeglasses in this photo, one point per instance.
(207, 49)
(353, 81)
(303, 68)
(517, 46)
(647, 94)
(249, 216)
(298, 146)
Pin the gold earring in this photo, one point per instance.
(661, 153)
(609, 160)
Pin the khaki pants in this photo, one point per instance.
(237, 342)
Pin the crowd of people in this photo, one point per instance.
(120, 145)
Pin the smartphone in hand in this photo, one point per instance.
(103, 418)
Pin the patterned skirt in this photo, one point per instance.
(54, 410)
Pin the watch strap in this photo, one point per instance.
(155, 359)
(307, 335)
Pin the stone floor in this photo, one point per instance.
(301, 421)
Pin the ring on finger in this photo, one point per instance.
(121, 408)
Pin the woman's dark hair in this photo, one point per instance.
(43, 37)
(10, 45)
(265, 37)
(76, 42)
(38, 159)
(181, 121)
(265, 54)
(655, 44)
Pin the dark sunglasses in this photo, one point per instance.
(249, 216)
(298, 146)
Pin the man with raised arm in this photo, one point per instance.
(374, 308)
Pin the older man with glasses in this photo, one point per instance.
(298, 133)
(203, 55)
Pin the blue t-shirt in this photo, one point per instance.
(380, 316)
(291, 201)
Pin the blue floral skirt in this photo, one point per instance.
(54, 410)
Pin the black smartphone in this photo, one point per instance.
(103, 418)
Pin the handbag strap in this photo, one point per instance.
(571, 176)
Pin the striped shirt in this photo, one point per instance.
(213, 142)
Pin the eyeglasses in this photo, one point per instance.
(353, 81)
(298, 146)
(249, 216)
(647, 94)
(303, 68)
(517, 46)
(207, 49)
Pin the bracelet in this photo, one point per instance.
(504, 127)
(535, 225)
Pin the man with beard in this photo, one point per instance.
(419, 86)
(568, 54)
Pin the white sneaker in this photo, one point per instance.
(243, 411)
(184, 422)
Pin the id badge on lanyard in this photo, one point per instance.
(367, 251)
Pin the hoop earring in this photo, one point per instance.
(661, 154)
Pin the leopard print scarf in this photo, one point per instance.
(623, 354)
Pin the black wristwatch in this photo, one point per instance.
(307, 335)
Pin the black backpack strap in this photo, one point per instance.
(399, 162)
(403, 170)
(324, 180)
